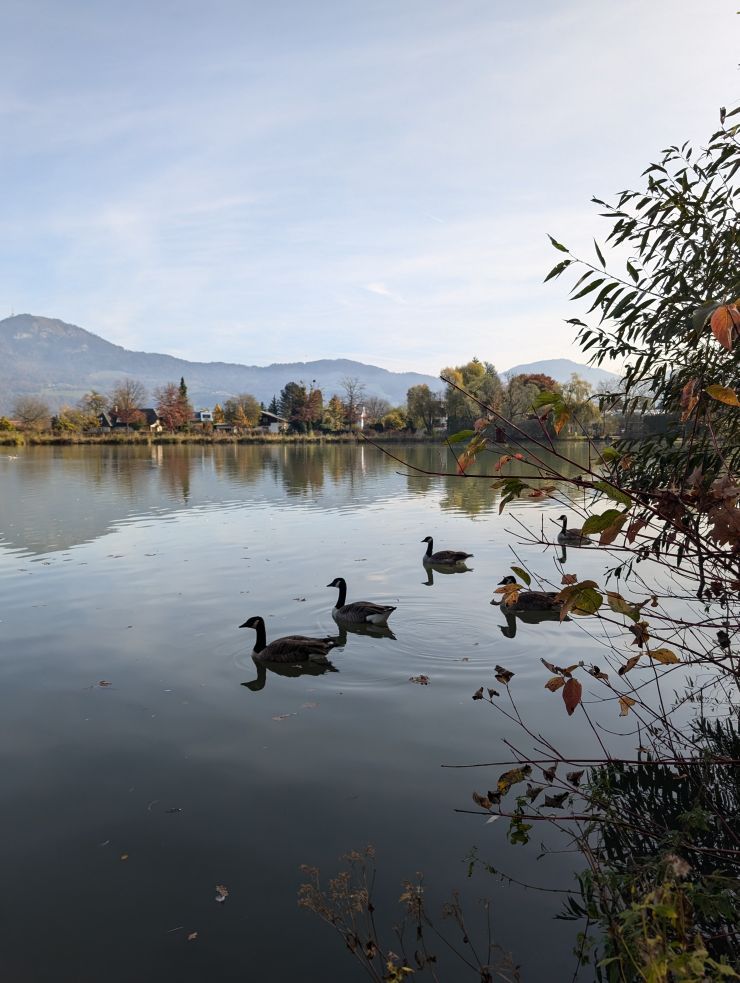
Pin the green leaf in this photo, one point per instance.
(455, 438)
(557, 270)
(546, 398)
(614, 493)
(597, 523)
(522, 575)
(599, 254)
(557, 245)
(587, 290)
(619, 605)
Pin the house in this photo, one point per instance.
(202, 416)
(271, 422)
(148, 420)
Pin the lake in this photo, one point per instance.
(138, 771)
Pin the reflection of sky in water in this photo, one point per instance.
(135, 567)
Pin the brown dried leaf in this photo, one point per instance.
(549, 773)
(641, 633)
(192, 936)
(555, 683)
(629, 664)
(556, 801)
(483, 801)
(512, 777)
(503, 675)
(574, 777)
(478, 695)
(569, 578)
(625, 702)
(222, 893)
(723, 395)
(422, 680)
(572, 695)
(533, 791)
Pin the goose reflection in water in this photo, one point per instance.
(431, 568)
(528, 617)
(372, 631)
(283, 669)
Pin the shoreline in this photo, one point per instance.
(17, 439)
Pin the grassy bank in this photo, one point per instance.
(17, 439)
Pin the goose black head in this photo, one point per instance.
(254, 622)
(507, 580)
(427, 539)
(337, 582)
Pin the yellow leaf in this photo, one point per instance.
(723, 395)
(625, 702)
(664, 656)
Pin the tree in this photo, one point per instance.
(477, 379)
(519, 397)
(242, 411)
(334, 414)
(273, 406)
(354, 391)
(173, 409)
(424, 407)
(218, 414)
(94, 403)
(32, 412)
(395, 419)
(375, 409)
(311, 411)
(126, 400)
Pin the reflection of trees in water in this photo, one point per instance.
(174, 470)
(244, 464)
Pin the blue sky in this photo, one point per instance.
(287, 180)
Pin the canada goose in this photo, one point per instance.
(291, 648)
(571, 537)
(528, 600)
(358, 612)
(443, 558)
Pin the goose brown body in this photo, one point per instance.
(528, 600)
(443, 558)
(358, 612)
(289, 648)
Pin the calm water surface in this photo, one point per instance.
(134, 566)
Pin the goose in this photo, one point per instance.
(570, 536)
(358, 612)
(291, 648)
(443, 558)
(528, 600)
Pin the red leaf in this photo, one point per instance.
(572, 695)
(725, 323)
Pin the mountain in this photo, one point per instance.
(46, 357)
(561, 369)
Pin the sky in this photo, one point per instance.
(286, 180)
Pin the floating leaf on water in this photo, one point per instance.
(492, 819)
(192, 936)
(222, 893)
(103, 683)
(422, 680)
(124, 856)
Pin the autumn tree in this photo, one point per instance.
(173, 408)
(218, 414)
(93, 403)
(375, 409)
(126, 400)
(242, 411)
(32, 412)
(334, 415)
(480, 380)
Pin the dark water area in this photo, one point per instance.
(133, 567)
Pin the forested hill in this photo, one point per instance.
(59, 361)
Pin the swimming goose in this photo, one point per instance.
(570, 536)
(443, 558)
(358, 612)
(528, 600)
(291, 648)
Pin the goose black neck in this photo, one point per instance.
(565, 523)
(342, 593)
(261, 639)
(429, 547)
